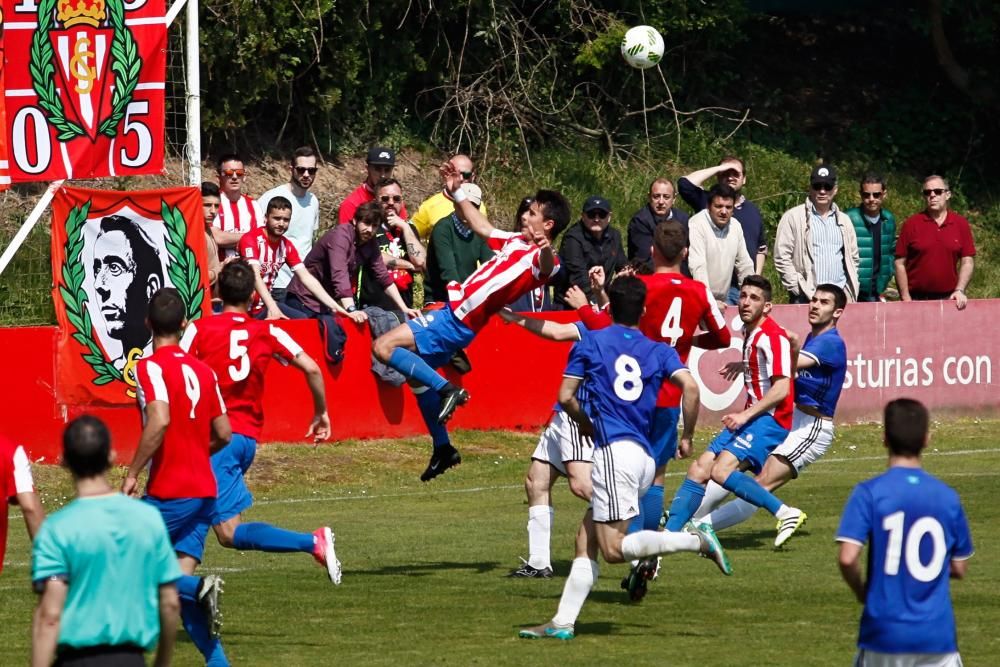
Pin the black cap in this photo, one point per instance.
(596, 202)
(381, 155)
(824, 173)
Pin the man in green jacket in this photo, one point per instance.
(876, 231)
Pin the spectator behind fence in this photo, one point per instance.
(210, 202)
(402, 252)
(305, 211)
(537, 299)
(935, 250)
(815, 243)
(238, 212)
(875, 228)
(440, 205)
(716, 247)
(455, 251)
(104, 567)
(589, 243)
(732, 172)
(379, 164)
(642, 225)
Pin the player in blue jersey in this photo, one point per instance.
(821, 366)
(623, 371)
(918, 538)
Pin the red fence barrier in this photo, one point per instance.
(928, 351)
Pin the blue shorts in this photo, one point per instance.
(751, 443)
(663, 434)
(187, 522)
(438, 335)
(230, 464)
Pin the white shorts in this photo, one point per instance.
(866, 658)
(808, 440)
(623, 472)
(561, 442)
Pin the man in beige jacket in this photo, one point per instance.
(717, 249)
(816, 242)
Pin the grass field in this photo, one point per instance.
(424, 566)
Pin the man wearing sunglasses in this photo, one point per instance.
(401, 250)
(935, 250)
(815, 242)
(238, 212)
(589, 243)
(380, 163)
(440, 205)
(305, 212)
(875, 228)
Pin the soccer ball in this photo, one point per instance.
(642, 47)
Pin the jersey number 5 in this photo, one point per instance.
(671, 329)
(238, 353)
(908, 546)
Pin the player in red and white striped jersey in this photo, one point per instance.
(238, 212)
(239, 349)
(17, 485)
(184, 421)
(523, 262)
(266, 249)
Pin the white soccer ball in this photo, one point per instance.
(642, 47)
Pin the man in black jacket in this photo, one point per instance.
(589, 243)
(640, 229)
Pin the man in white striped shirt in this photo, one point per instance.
(238, 212)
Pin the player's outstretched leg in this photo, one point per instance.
(265, 537)
(444, 455)
(685, 503)
(790, 519)
(415, 368)
(582, 575)
(732, 513)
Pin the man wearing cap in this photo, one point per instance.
(454, 251)
(440, 205)
(381, 161)
(717, 249)
(589, 243)
(642, 225)
(935, 250)
(816, 242)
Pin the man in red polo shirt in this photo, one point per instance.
(380, 163)
(935, 249)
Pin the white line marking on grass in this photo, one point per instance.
(507, 487)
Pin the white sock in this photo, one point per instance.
(730, 514)
(714, 495)
(539, 536)
(783, 512)
(582, 576)
(646, 543)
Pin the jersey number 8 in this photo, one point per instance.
(628, 378)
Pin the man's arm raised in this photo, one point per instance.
(475, 220)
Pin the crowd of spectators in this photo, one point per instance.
(372, 261)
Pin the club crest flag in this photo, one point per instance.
(110, 252)
(84, 87)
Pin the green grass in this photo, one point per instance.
(424, 566)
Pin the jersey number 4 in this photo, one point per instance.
(671, 329)
(905, 546)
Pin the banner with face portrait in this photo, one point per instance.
(110, 252)
(85, 84)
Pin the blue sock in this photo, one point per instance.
(748, 489)
(196, 625)
(265, 537)
(412, 366)
(429, 402)
(187, 587)
(650, 511)
(685, 504)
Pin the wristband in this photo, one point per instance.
(958, 289)
(351, 308)
(459, 196)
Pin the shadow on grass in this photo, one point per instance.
(425, 569)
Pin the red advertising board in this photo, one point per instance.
(84, 87)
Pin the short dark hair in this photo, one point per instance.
(906, 424)
(628, 298)
(521, 208)
(871, 178)
(227, 157)
(670, 239)
(838, 293)
(236, 283)
(733, 158)
(303, 151)
(86, 447)
(554, 207)
(389, 180)
(166, 313)
(721, 191)
(760, 282)
(209, 189)
(278, 203)
(371, 214)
